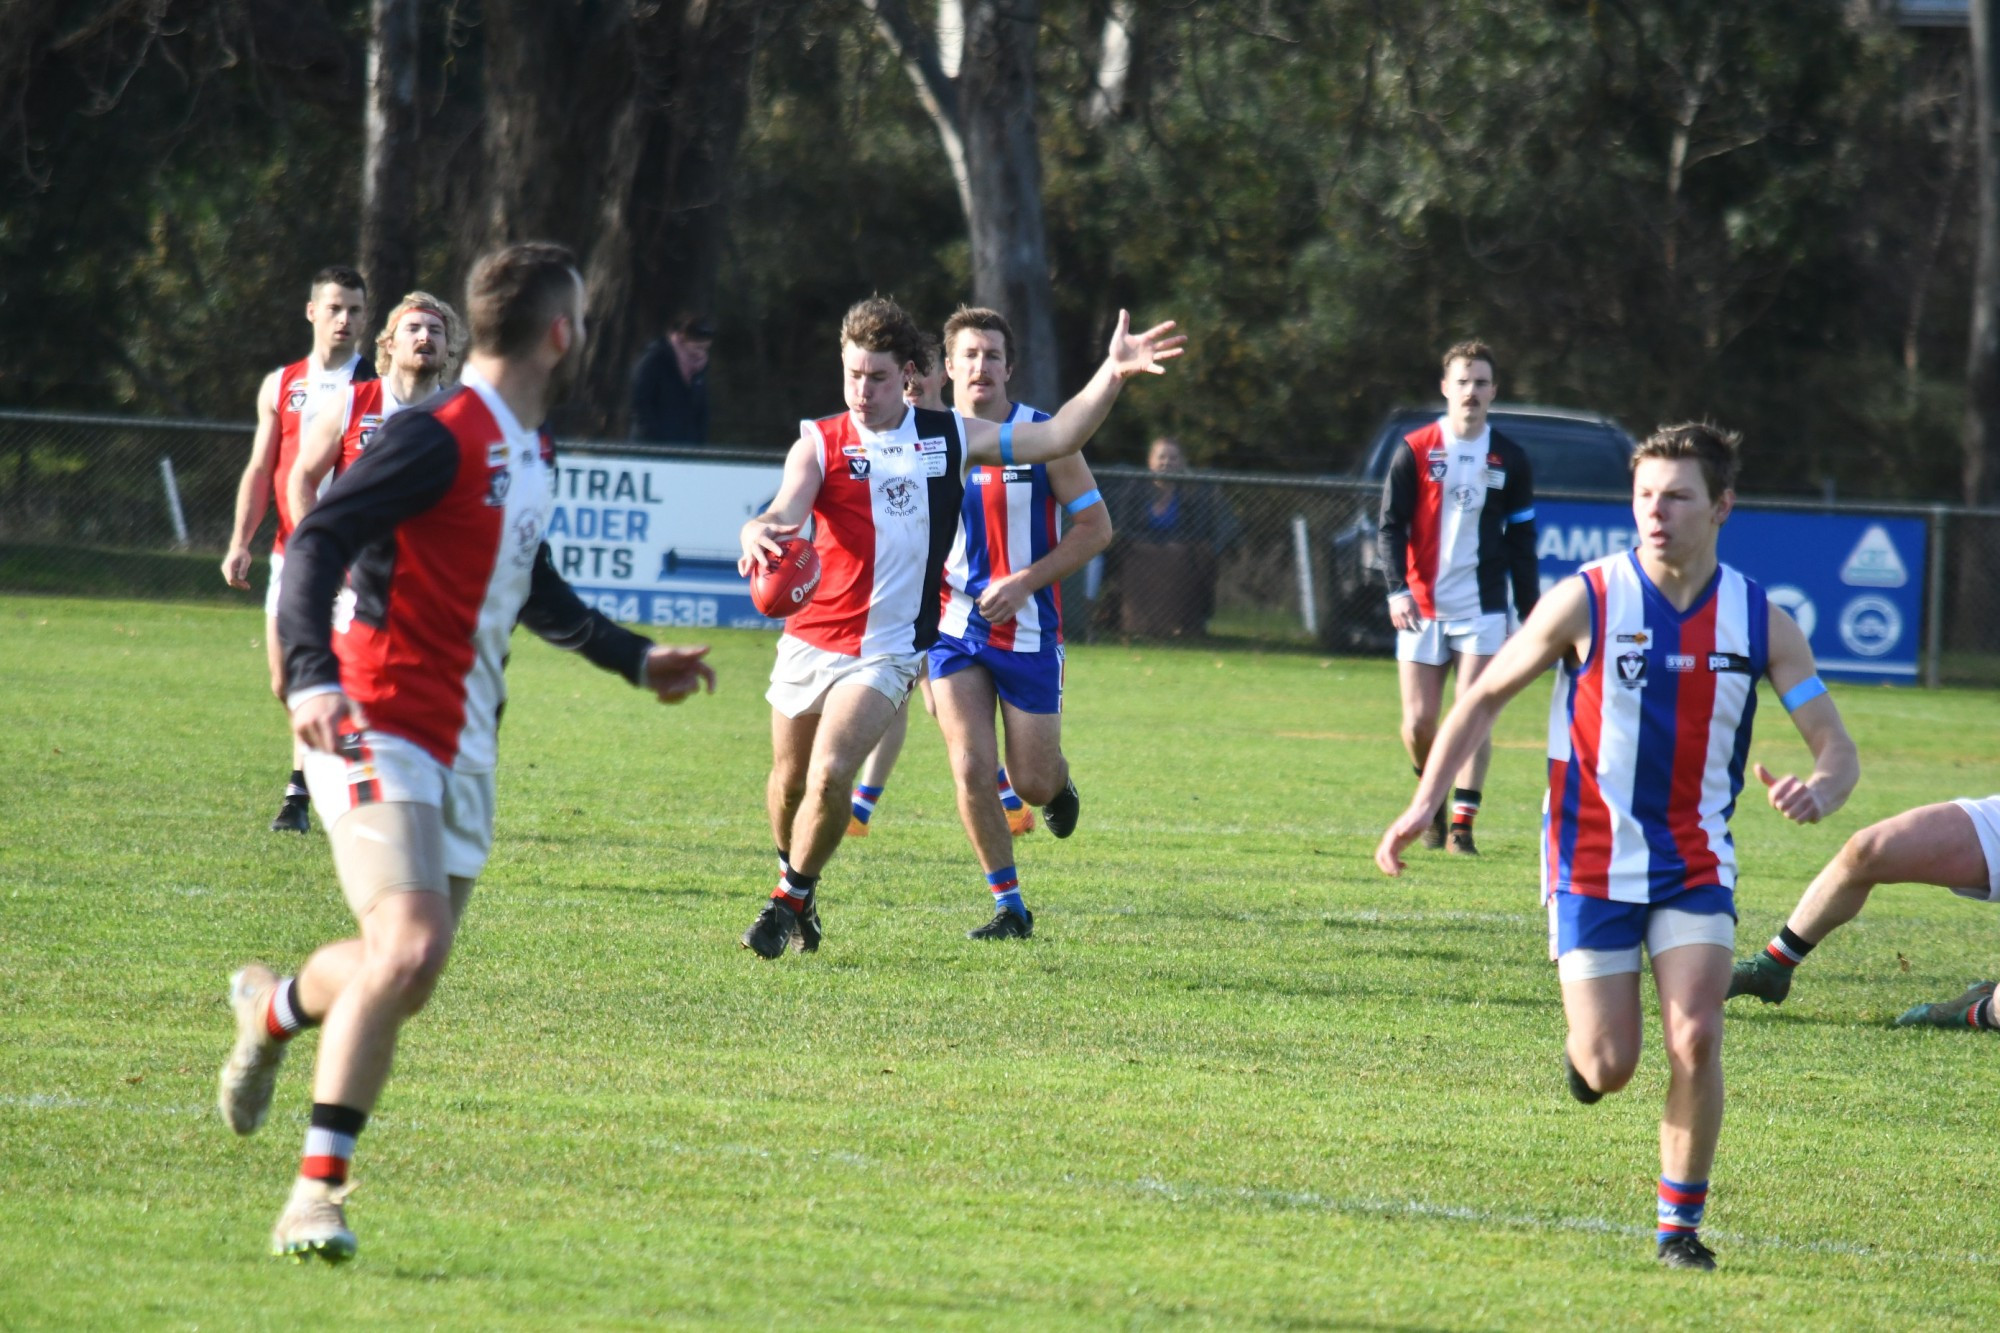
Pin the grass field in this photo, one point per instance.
(1237, 1078)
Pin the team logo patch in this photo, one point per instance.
(295, 401)
(900, 495)
(1632, 670)
(497, 487)
(1465, 497)
(857, 468)
(1437, 464)
(527, 540)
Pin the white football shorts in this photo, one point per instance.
(803, 675)
(1986, 820)
(378, 768)
(276, 585)
(1436, 642)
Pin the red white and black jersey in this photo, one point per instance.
(883, 523)
(303, 393)
(1458, 519)
(369, 404)
(439, 527)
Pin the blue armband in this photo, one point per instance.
(1807, 690)
(1522, 516)
(1007, 445)
(1083, 502)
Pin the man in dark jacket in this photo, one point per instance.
(670, 384)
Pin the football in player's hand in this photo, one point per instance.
(784, 583)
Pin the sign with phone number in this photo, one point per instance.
(654, 541)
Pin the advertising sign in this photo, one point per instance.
(653, 541)
(1854, 583)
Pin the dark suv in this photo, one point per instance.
(1569, 451)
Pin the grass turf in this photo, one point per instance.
(1237, 1078)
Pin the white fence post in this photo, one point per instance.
(1302, 553)
(174, 503)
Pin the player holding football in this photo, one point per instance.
(1457, 524)
(1954, 845)
(1661, 648)
(288, 400)
(418, 349)
(883, 483)
(439, 528)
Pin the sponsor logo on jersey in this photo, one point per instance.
(496, 455)
(1640, 637)
(1496, 479)
(1729, 662)
(497, 487)
(857, 468)
(900, 494)
(982, 477)
(936, 444)
(1632, 670)
(1494, 460)
(889, 450)
(1680, 661)
(854, 450)
(1022, 475)
(1437, 464)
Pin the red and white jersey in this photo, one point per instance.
(439, 524)
(303, 393)
(884, 519)
(1649, 735)
(368, 405)
(1008, 521)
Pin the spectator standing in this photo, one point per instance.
(1172, 534)
(670, 384)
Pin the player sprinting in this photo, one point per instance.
(418, 349)
(1649, 729)
(289, 400)
(1000, 635)
(883, 483)
(1954, 845)
(438, 527)
(1457, 526)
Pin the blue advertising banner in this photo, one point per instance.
(1854, 583)
(653, 541)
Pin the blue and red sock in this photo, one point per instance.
(1006, 886)
(1681, 1205)
(864, 802)
(1007, 796)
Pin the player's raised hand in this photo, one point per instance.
(316, 721)
(673, 673)
(1791, 798)
(1409, 826)
(761, 543)
(1143, 353)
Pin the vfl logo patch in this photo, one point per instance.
(497, 487)
(369, 425)
(1437, 465)
(295, 401)
(901, 497)
(1632, 670)
(857, 468)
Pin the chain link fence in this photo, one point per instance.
(102, 505)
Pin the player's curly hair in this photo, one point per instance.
(878, 324)
(932, 358)
(1471, 349)
(1708, 444)
(983, 319)
(454, 334)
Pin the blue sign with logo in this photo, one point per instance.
(1854, 583)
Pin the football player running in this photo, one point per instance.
(1660, 650)
(883, 483)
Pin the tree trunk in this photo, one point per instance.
(1976, 624)
(389, 172)
(1010, 257)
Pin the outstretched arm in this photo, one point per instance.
(319, 450)
(253, 490)
(1064, 433)
(1836, 763)
(1558, 627)
(557, 614)
(788, 512)
(1088, 534)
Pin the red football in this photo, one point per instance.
(784, 583)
